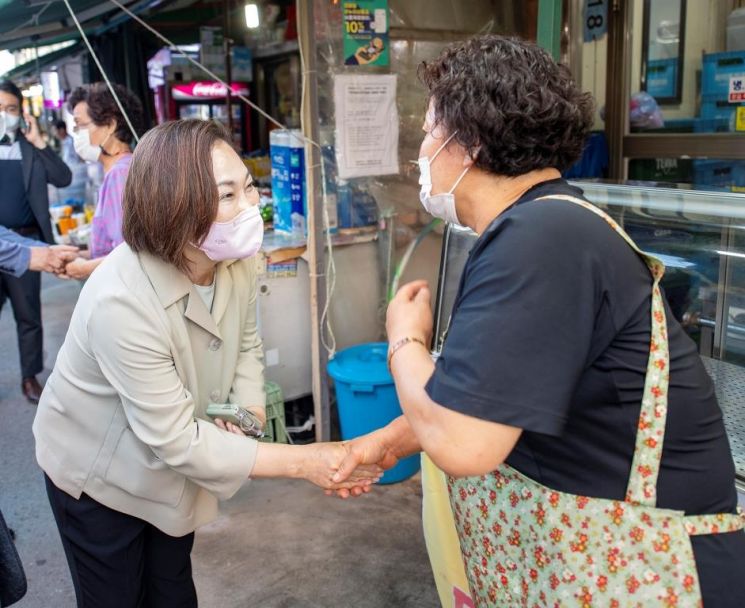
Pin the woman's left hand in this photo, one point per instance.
(229, 426)
(410, 313)
(77, 269)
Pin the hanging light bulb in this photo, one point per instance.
(252, 15)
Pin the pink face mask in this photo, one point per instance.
(237, 239)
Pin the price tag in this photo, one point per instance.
(737, 88)
(596, 19)
(740, 120)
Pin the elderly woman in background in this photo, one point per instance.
(563, 373)
(165, 327)
(101, 134)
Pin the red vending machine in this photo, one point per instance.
(207, 100)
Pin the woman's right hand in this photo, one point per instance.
(315, 462)
(322, 461)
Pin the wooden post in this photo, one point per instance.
(316, 248)
(618, 88)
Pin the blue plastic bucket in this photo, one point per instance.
(366, 398)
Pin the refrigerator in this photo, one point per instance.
(207, 100)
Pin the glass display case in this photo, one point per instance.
(700, 236)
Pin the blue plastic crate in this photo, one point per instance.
(717, 70)
(711, 125)
(719, 172)
(662, 77)
(718, 109)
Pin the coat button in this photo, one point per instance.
(215, 395)
(215, 344)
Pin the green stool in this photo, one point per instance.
(275, 430)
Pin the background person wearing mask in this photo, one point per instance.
(27, 165)
(101, 134)
(75, 192)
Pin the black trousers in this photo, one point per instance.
(24, 294)
(120, 561)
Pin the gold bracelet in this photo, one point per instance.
(402, 342)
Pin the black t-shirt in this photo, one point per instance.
(550, 333)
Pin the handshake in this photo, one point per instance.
(60, 260)
(344, 469)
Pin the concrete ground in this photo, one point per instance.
(276, 544)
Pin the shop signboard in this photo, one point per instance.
(241, 64)
(206, 90)
(366, 33)
(52, 91)
(211, 50)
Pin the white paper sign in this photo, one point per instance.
(366, 125)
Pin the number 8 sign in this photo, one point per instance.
(595, 19)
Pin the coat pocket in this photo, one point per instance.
(135, 469)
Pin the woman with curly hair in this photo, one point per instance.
(102, 134)
(563, 373)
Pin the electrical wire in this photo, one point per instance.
(407, 256)
(103, 72)
(172, 45)
(325, 321)
(329, 346)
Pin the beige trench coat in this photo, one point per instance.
(122, 417)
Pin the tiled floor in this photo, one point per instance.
(729, 383)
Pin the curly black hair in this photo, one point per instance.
(102, 108)
(510, 104)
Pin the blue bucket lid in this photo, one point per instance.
(364, 363)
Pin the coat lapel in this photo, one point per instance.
(197, 312)
(171, 285)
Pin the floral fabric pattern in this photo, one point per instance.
(525, 545)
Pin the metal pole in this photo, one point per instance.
(316, 250)
(227, 43)
(574, 52)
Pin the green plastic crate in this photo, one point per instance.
(275, 430)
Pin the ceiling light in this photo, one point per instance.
(252, 15)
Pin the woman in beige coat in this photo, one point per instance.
(164, 327)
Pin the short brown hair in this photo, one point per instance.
(102, 108)
(170, 198)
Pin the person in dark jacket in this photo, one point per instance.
(27, 165)
(19, 255)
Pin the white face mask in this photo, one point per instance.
(81, 141)
(438, 205)
(9, 124)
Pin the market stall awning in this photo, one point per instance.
(50, 59)
(26, 23)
